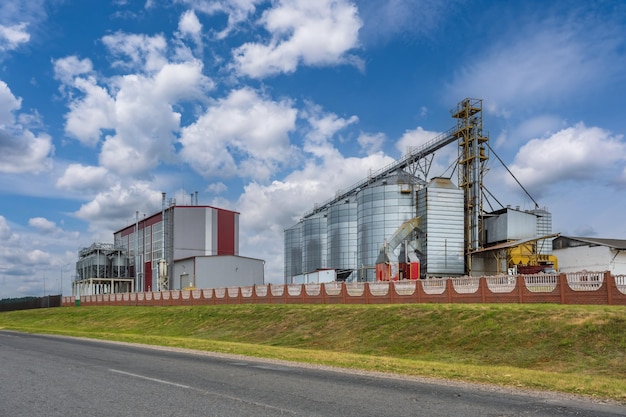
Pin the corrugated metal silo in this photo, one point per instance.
(293, 252)
(440, 206)
(342, 234)
(314, 243)
(544, 228)
(382, 207)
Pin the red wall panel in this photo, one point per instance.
(225, 232)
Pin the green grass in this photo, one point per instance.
(573, 349)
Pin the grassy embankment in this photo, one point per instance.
(573, 349)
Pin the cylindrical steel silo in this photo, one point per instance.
(342, 236)
(314, 244)
(293, 252)
(382, 207)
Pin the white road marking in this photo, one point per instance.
(151, 379)
(229, 397)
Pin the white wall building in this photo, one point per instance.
(590, 254)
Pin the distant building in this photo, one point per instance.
(176, 248)
(591, 254)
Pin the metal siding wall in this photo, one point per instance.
(442, 222)
(189, 232)
(228, 271)
(210, 234)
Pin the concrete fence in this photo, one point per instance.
(599, 288)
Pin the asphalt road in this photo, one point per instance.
(59, 376)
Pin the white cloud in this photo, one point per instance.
(34, 257)
(323, 127)
(246, 125)
(138, 109)
(577, 153)
(11, 37)
(189, 24)
(43, 225)
(216, 188)
(80, 177)
(66, 69)
(138, 52)
(21, 151)
(237, 10)
(107, 212)
(302, 32)
(371, 143)
(91, 114)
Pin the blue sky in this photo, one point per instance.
(268, 107)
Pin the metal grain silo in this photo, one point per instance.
(544, 228)
(314, 244)
(293, 251)
(441, 208)
(382, 207)
(342, 237)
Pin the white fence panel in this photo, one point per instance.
(333, 288)
(620, 281)
(355, 289)
(294, 290)
(541, 282)
(379, 289)
(434, 286)
(585, 281)
(260, 290)
(313, 289)
(466, 285)
(405, 287)
(501, 283)
(277, 289)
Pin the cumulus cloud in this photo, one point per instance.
(79, 177)
(576, 153)
(108, 211)
(190, 25)
(137, 109)
(371, 143)
(43, 225)
(21, 150)
(137, 52)
(316, 33)
(243, 124)
(11, 37)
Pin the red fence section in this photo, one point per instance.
(599, 288)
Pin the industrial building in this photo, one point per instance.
(590, 254)
(178, 247)
(402, 223)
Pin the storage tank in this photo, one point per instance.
(382, 207)
(119, 264)
(314, 244)
(440, 205)
(342, 236)
(293, 252)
